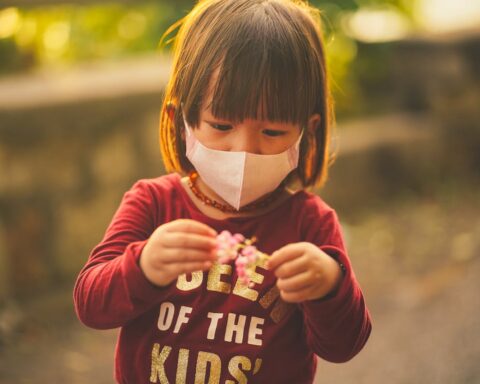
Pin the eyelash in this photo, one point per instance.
(221, 127)
(273, 133)
(268, 132)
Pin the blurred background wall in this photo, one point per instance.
(80, 90)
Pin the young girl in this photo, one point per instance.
(246, 117)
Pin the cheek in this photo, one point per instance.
(272, 146)
(209, 138)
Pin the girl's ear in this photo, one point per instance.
(313, 123)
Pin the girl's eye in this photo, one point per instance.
(273, 133)
(221, 127)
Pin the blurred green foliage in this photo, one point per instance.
(64, 34)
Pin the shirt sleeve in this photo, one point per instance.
(337, 327)
(111, 289)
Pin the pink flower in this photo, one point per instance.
(224, 233)
(241, 261)
(236, 247)
(239, 237)
(250, 252)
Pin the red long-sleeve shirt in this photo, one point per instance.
(208, 326)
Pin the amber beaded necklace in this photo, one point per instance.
(267, 200)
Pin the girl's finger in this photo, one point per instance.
(190, 226)
(284, 254)
(297, 282)
(292, 267)
(190, 267)
(185, 255)
(188, 241)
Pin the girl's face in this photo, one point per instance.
(261, 137)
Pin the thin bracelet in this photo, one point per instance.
(340, 264)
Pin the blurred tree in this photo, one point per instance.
(64, 32)
(69, 32)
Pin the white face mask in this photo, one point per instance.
(240, 177)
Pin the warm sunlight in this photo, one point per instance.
(448, 15)
(376, 24)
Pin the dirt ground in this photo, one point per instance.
(417, 262)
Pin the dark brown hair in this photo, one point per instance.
(271, 65)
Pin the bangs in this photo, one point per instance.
(268, 70)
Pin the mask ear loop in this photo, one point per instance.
(188, 130)
(190, 140)
(297, 143)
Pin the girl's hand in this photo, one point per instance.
(177, 247)
(304, 272)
